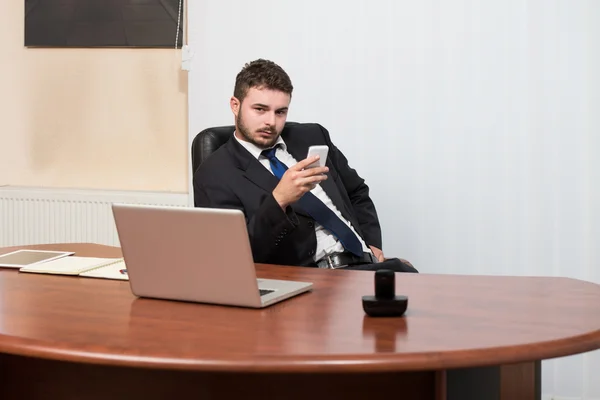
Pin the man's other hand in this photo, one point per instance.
(377, 253)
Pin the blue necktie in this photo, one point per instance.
(318, 210)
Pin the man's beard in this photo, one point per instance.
(245, 132)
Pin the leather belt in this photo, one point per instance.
(341, 260)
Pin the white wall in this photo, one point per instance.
(475, 123)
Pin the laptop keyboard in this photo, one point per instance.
(265, 291)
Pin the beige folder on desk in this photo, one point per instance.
(89, 267)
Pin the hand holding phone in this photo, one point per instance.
(302, 177)
(321, 151)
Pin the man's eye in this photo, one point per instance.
(259, 109)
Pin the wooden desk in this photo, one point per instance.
(464, 337)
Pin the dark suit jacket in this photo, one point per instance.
(232, 178)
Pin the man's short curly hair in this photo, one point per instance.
(262, 74)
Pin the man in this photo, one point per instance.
(321, 216)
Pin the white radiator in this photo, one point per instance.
(39, 215)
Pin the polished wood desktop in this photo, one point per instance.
(462, 337)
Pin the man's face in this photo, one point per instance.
(261, 116)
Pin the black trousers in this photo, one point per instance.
(394, 264)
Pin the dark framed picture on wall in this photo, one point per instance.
(104, 23)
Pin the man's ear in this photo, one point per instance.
(234, 103)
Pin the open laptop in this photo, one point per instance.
(194, 254)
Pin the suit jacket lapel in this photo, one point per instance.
(254, 171)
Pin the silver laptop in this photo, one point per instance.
(194, 254)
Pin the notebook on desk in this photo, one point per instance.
(90, 267)
(194, 254)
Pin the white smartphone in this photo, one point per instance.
(321, 151)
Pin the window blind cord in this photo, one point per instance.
(178, 25)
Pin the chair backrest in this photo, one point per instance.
(209, 140)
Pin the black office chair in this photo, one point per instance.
(209, 140)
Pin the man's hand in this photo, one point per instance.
(377, 253)
(296, 181)
(406, 262)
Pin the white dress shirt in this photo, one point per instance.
(326, 242)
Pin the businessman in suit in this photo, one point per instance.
(320, 216)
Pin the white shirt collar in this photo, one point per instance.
(255, 150)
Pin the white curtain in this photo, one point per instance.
(475, 123)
